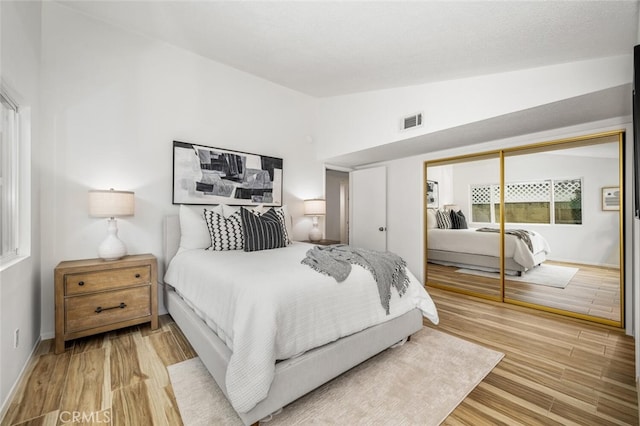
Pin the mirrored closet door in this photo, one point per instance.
(565, 198)
(539, 226)
(458, 201)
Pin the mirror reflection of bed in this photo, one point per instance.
(473, 254)
(552, 197)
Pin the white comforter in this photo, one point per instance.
(487, 243)
(269, 306)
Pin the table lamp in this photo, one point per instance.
(315, 208)
(111, 204)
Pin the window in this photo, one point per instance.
(9, 136)
(567, 196)
(482, 198)
(546, 201)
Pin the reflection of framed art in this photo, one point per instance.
(432, 194)
(207, 175)
(611, 198)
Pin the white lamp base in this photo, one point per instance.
(315, 234)
(112, 248)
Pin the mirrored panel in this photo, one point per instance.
(562, 227)
(460, 255)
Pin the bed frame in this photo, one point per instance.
(480, 262)
(294, 377)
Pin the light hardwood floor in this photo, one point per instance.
(117, 378)
(592, 291)
(556, 370)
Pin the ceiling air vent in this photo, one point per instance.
(412, 121)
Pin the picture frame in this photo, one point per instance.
(611, 198)
(208, 175)
(432, 194)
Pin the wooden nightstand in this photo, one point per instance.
(93, 296)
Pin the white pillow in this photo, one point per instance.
(194, 233)
(227, 211)
(432, 222)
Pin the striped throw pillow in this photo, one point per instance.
(225, 232)
(283, 220)
(262, 232)
(281, 213)
(443, 219)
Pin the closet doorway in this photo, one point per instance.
(541, 226)
(337, 206)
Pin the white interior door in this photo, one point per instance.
(368, 225)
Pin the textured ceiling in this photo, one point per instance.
(331, 48)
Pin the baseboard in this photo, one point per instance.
(47, 336)
(12, 392)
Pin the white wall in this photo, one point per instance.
(404, 194)
(596, 241)
(113, 103)
(443, 176)
(20, 283)
(350, 123)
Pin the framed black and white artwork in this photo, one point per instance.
(432, 194)
(207, 175)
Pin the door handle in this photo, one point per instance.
(382, 228)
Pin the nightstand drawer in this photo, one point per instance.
(106, 280)
(93, 310)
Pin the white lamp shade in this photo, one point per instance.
(314, 207)
(111, 203)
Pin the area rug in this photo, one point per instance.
(545, 274)
(420, 382)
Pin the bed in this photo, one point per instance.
(293, 369)
(468, 248)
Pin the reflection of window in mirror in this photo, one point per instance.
(551, 201)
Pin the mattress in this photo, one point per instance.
(266, 306)
(488, 244)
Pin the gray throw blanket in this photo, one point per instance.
(388, 269)
(523, 234)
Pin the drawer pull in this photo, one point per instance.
(122, 305)
(137, 275)
(81, 283)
